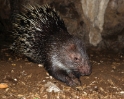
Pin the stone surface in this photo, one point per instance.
(94, 11)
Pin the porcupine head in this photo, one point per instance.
(43, 37)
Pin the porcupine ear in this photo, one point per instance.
(71, 47)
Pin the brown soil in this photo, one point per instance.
(26, 80)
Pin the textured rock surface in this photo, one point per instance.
(94, 11)
(113, 33)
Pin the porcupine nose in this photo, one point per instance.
(85, 69)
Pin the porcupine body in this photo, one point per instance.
(41, 35)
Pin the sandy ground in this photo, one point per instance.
(26, 80)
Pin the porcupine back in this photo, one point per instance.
(33, 28)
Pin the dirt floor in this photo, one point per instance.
(21, 79)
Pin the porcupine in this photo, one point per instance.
(42, 36)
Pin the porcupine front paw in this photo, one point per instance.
(72, 81)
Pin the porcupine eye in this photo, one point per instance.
(76, 59)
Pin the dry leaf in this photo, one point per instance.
(3, 85)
